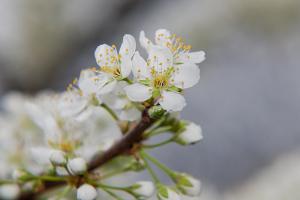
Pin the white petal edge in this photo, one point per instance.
(126, 66)
(107, 88)
(186, 75)
(144, 41)
(191, 57)
(128, 46)
(172, 101)
(100, 54)
(162, 36)
(160, 57)
(138, 92)
(197, 56)
(139, 67)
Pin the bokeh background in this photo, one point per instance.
(248, 98)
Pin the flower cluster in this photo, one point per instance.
(117, 107)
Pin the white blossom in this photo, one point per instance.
(190, 135)
(86, 192)
(160, 78)
(76, 134)
(116, 64)
(72, 103)
(180, 51)
(77, 166)
(144, 189)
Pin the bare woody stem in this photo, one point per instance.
(134, 136)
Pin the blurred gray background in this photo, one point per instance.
(248, 98)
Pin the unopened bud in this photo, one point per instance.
(144, 189)
(191, 134)
(156, 112)
(58, 158)
(166, 193)
(188, 185)
(86, 192)
(77, 166)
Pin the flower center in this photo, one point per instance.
(114, 71)
(64, 145)
(160, 81)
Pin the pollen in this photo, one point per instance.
(160, 81)
(115, 71)
(67, 146)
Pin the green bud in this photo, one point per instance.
(156, 112)
(183, 180)
(137, 166)
(188, 185)
(166, 193)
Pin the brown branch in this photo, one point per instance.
(122, 146)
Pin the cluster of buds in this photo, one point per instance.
(56, 137)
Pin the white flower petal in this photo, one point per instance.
(160, 58)
(71, 104)
(162, 37)
(197, 56)
(172, 101)
(130, 114)
(144, 41)
(108, 87)
(128, 46)
(89, 82)
(140, 69)
(44, 119)
(186, 75)
(114, 101)
(41, 155)
(126, 66)
(192, 57)
(103, 55)
(138, 92)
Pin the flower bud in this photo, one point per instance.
(86, 192)
(77, 166)
(9, 191)
(137, 165)
(166, 193)
(144, 189)
(188, 185)
(156, 112)
(191, 135)
(58, 158)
